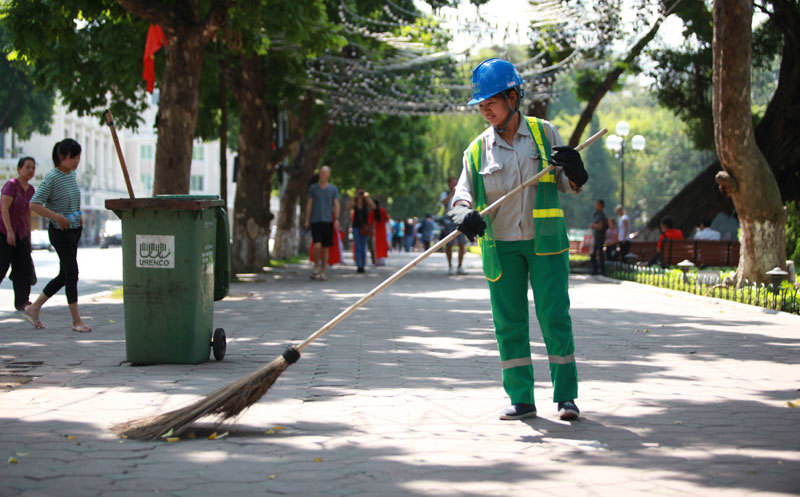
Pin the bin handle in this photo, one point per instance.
(110, 120)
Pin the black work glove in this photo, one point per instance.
(570, 160)
(468, 221)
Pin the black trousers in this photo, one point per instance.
(19, 258)
(598, 255)
(66, 244)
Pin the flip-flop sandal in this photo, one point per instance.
(314, 276)
(36, 324)
(81, 329)
(323, 278)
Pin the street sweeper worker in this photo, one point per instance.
(525, 239)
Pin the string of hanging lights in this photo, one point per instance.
(399, 65)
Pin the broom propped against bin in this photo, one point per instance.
(231, 400)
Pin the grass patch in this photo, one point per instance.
(297, 259)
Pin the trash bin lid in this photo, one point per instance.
(173, 202)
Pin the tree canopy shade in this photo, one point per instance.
(23, 106)
(90, 51)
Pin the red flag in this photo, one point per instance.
(155, 40)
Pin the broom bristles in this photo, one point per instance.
(225, 402)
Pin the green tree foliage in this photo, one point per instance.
(389, 159)
(22, 106)
(683, 74)
(652, 176)
(793, 232)
(90, 51)
(449, 136)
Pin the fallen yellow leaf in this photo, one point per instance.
(12, 460)
(647, 330)
(167, 434)
(272, 477)
(173, 439)
(123, 436)
(71, 437)
(191, 435)
(213, 436)
(279, 427)
(317, 459)
(269, 432)
(111, 321)
(795, 404)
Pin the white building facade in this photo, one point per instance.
(100, 174)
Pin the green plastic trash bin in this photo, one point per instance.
(175, 264)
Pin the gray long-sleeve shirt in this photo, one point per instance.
(504, 167)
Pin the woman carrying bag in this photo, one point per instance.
(362, 204)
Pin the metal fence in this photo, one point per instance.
(783, 297)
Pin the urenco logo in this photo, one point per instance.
(155, 251)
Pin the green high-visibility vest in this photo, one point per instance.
(550, 235)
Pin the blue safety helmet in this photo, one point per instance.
(493, 76)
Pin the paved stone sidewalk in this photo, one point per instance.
(681, 396)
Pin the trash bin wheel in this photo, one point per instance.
(219, 344)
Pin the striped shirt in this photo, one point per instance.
(59, 192)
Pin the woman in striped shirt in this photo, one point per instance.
(59, 198)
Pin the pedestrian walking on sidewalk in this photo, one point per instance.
(359, 221)
(525, 239)
(409, 228)
(322, 217)
(599, 226)
(59, 199)
(624, 224)
(426, 231)
(447, 200)
(378, 219)
(15, 244)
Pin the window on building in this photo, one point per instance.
(146, 151)
(146, 180)
(197, 152)
(196, 183)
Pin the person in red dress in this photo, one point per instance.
(378, 218)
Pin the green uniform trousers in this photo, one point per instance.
(549, 275)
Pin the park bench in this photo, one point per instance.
(700, 252)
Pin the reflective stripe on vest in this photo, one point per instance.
(542, 213)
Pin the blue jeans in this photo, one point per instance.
(409, 242)
(360, 247)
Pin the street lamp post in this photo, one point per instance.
(617, 144)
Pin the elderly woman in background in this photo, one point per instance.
(15, 247)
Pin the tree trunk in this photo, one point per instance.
(297, 178)
(179, 89)
(746, 176)
(177, 112)
(251, 217)
(223, 131)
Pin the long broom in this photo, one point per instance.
(231, 400)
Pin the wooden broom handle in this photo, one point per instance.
(110, 120)
(441, 243)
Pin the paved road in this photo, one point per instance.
(681, 396)
(100, 270)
